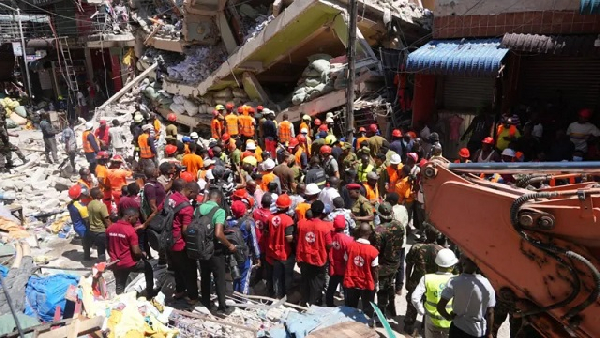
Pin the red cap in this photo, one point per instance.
(362, 130)
(102, 122)
(339, 222)
(414, 156)
(283, 201)
(238, 208)
(187, 176)
(396, 133)
(75, 192)
(170, 149)
(317, 122)
(293, 142)
(229, 106)
(325, 150)
(586, 113)
(464, 152)
(225, 137)
(324, 128)
(172, 117)
(353, 186)
(488, 140)
(301, 138)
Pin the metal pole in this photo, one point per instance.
(525, 167)
(25, 57)
(351, 75)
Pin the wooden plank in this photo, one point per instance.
(128, 86)
(76, 327)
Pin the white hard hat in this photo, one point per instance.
(445, 258)
(146, 127)
(269, 164)
(303, 131)
(250, 146)
(138, 117)
(89, 125)
(329, 120)
(312, 189)
(395, 159)
(508, 152)
(306, 118)
(329, 115)
(194, 135)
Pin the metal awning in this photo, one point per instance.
(568, 45)
(24, 18)
(478, 57)
(589, 6)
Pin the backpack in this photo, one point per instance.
(234, 236)
(199, 236)
(160, 228)
(145, 207)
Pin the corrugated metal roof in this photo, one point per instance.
(589, 6)
(568, 45)
(480, 57)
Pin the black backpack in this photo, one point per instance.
(200, 235)
(234, 236)
(160, 228)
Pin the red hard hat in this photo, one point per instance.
(323, 127)
(170, 149)
(225, 137)
(229, 106)
(317, 122)
(586, 113)
(396, 133)
(251, 110)
(373, 128)
(422, 162)
(187, 176)
(301, 138)
(101, 155)
(240, 109)
(117, 158)
(215, 113)
(75, 192)
(283, 201)
(412, 134)
(260, 108)
(464, 152)
(240, 194)
(325, 150)
(294, 142)
(488, 140)
(362, 130)
(172, 117)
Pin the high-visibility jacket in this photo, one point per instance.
(372, 194)
(358, 267)
(393, 175)
(278, 248)
(298, 156)
(312, 244)
(434, 285)
(285, 131)
(87, 145)
(216, 129)
(511, 132)
(246, 123)
(231, 125)
(85, 199)
(359, 141)
(143, 142)
(157, 127)
(362, 173)
(266, 179)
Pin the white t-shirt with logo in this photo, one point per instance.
(579, 133)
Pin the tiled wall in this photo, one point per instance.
(547, 22)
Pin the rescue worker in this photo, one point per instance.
(307, 142)
(364, 167)
(396, 145)
(103, 135)
(330, 165)
(487, 153)
(103, 184)
(305, 124)
(362, 210)
(117, 177)
(231, 122)
(371, 189)
(506, 132)
(171, 129)
(252, 149)
(432, 285)
(388, 238)
(314, 241)
(79, 214)
(420, 261)
(311, 194)
(279, 249)
(243, 221)
(285, 130)
(269, 176)
(90, 145)
(157, 126)
(361, 273)
(247, 125)
(215, 125)
(463, 156)
(329, 123)
(270, 132)
(147, 148)
(337, 263)
(362, 136)
(315, 130)
(316, 174)
(86, 183)
(348, 158)
(6, 147)
(375, 141)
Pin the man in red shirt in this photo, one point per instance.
(337, 263)
(185, 269)
(361, 275)
(314, 241)
(279, 249)
(261, 219)
(123, 246)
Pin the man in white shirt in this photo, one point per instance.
(117, 138)
(580, 131)
(473, 301)
(330, 191)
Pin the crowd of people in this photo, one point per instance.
(259, 198)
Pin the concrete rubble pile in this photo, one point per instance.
(160, 18)
(315, 80)
(254, 20)
(199, 63)
(406, 10)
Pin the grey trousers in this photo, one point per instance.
(50, 147)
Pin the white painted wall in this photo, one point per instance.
(493, 7)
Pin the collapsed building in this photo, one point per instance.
(284, 54)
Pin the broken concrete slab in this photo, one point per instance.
(62, 184)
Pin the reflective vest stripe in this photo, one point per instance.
(362, 173)
(231, 122)
(145, 151)
(434, 285)
(87, 145)
(285, 131)
(246, 126)
(215, 129)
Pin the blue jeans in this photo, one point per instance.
(283, 274)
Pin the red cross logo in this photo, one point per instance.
(310, 237)
(276, 221)
(259, 225)
(359, 261)
(336, 245)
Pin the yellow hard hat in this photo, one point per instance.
(330, 139)
(250, 160)
(220, 107)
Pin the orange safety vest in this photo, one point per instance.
(247, 128)
(511, 132)
(370, 193)
(216, 129)
(298, 156)
(87, 146)
(285, 131)
(359, 141)
(145, 151)
(231, 124)
(267, 178)
(393, 174)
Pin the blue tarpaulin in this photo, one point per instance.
(300, 325)
(44, 294)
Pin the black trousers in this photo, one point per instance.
(121, 275)
(334, 281)
(400, 272)
(215, 266)
(186, 273)
(91, 157)
(312, 284)
(94, 238)
(455, 332)
(365, 296)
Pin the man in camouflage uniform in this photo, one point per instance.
(6, 147)
(420, 260)
(388, 238)
(362, 210)
(348, 158)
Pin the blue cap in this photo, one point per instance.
(186, 139)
